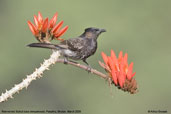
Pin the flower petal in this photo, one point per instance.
(53, 21)
(130, 68)
(114, 77)
(57, 27)
(45, 25)
(133, 74)
(125, 58)
(110, 63)
(40, 18)
(122, 75)
(32, 28)
(115, 60)
(125, 63)
(120, 56)
(36, 21)
(61, 32)
(121, 79)
(105, 58)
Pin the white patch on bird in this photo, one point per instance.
(69, 52)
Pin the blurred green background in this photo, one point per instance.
(140, 28)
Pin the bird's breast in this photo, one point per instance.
(89, 50)
(71, 54)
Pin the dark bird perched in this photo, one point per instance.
(79, 48)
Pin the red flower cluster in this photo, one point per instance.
(44, 29)
(119, 70)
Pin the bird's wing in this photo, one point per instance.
(73, 44)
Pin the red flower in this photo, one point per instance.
(120, 72)
(53, 21)
(33, 29)
(44, 29)
(56, 30)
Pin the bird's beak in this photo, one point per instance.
(102, 30)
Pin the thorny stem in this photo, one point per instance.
(38, 73)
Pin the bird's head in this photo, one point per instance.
(92, 32)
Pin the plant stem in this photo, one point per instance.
(38, 74)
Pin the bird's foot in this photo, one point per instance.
(89, 69)
(65, 61)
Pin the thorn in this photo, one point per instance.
(18, 92)
(15, 85)
(2, 94)
(36, 69)
(39, 76)
(11, 96)
(47, 69)
(33, 78)
(26, 87)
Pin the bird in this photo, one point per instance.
(79, 48)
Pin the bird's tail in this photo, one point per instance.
(44, 45)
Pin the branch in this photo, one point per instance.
(84, 67)
(38, 74)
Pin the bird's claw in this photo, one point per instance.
(65, 61)
(89, 69)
